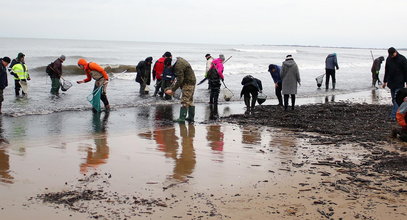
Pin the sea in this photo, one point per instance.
(120, 58)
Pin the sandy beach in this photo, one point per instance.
(135, 163)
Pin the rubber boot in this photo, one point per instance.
(182, 114)
(191, 114)
(333, 86)
(292, 101)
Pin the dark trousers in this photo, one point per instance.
(103, 97)
(55, 85)
(158, 87)
(330, 73)
(286, 101)
(17, 87)
(278, 93)
(250, 93)
(214, 96)
(165, 84)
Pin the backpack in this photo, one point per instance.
(213, 77)
(49, 69)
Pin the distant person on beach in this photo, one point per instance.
(20, 72)
(331, 63)
(143, 77)
(158, 70)
(5, 61)
(251, 89)
(377, 63)
(395, 76)
(54, 71)
(290, 76)
(275, 74)
(209, 60)
(186, 80)
(215, 75)
(168, 77)
(98, 73)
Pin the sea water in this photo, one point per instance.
(120, 59)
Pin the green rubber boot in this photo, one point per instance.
(191, 114)
(182, 114)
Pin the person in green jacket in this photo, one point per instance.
(186, 80)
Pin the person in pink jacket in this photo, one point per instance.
(215, 75)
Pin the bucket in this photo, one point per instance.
(261, 98)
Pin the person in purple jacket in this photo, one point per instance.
(275, 74)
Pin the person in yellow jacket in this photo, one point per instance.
(20, 72)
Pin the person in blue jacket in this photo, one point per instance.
(331, 62)
(275, 74)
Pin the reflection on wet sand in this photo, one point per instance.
(251, 135)
(331, 100)
(215, 137)
(5, 176)
(101, 154)
(167, 142)
(286, 144)
(185, 163)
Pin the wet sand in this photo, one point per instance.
(136, 164)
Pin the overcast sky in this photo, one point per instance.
(348, 23)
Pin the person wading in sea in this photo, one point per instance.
(93, 70)
(186, 80)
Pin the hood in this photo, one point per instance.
(332, 55)
(82, 62)
(289, 62)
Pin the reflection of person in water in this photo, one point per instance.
(5, 176)
(251, 135)
(165, 137)
(215, 137)
(185, 163)
(100, 155)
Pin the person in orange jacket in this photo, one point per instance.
(98, 73)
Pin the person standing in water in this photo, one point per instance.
(143, 77)
(19, 70)
(186, 80)
(55, 74)
(3, 77)
(158, 70)
(377, 63)
(98, 73)
(331, 62)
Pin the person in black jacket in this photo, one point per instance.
(143, 77)
(251, 86)
(55, 74)
(395, 76)
(3, 77)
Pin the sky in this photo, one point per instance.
(341, 23)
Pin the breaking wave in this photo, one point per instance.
(74, 70)
(265, 51)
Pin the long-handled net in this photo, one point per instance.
(320, 80)
(65, 85)
(94, 98)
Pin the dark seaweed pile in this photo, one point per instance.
(341, 122)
